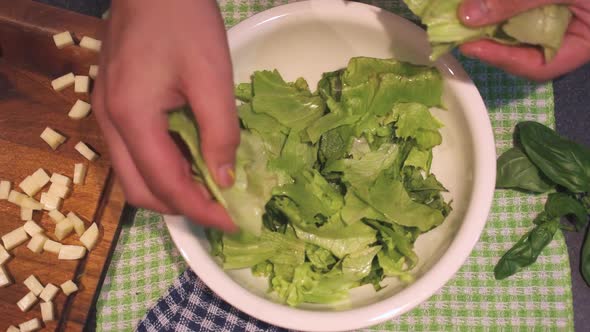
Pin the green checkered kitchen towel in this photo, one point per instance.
(146, 263)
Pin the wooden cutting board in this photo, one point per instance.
(29, 61)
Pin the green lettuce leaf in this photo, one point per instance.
(415, 121)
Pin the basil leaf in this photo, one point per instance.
(515, 170)
(564, 162)
(561, 204)
(586, 258)
(526, 250)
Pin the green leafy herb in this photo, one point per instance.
(515, 170)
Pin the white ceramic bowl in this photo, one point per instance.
(311, 37)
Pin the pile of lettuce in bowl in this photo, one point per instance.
(364, 175)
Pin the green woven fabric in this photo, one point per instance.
(145, 261)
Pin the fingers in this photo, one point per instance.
(136, 191)
(529, 62)
(166, 173)
(484, 12)
(213, 104)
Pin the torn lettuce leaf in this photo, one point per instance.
(332, 187)
(544, 27)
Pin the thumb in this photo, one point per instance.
(476, 13)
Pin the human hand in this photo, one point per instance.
(158, 55)
(528, 62)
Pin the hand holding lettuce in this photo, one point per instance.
(536, 39)
(332, 187)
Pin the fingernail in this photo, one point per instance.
(474, 11)
(226, 175)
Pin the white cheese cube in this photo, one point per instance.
(47, 313)
(5, 279)
(37, 242)
(79, 226)
(4, 189)
(26, 214)
(81, 84)
(50, 201)
(93, 71)
(29, 186)
(52, 246)
(15, 238)
(60, 179)
(59, 190)
(90, 237)
(56, 216)
(80, 110)
(49, 292)
(90, 43)
(34, 285)
(16, 198)
(63, 229)
(63, 82)
(69, 287)
(31, 203)
(71, 252)
(4, 255)
(80, 170)
(32, 228)
(86, 151)
(63, 39)
(27, 302)
(30, 325)
(52, 138)
(41, 177)
(12, 328)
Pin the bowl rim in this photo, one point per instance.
(467, 236)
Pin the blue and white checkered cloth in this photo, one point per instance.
(190, 305)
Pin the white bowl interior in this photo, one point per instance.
(319, 36)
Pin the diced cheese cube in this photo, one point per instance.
(90, 237)
(41, 177)
(81, 84)
(86, 151)
(59, 190)
(52, 138)
(30, 325)
(27, 302)
(93, 71)
(56, 216)
(4, 189)
(29, 186)
(15, 238)
(50, 201)
(52, 246)
(69, 287)
(63, 82)
(12, 328)
(49, 292)
(31, 203)
(32, 228)
(80, 110)
(90, 43)
(26, 214)
(79, 226)
(47, 313)
(60, 179)
(4, 255)
(80, 170)
(5, 279)
(63, 39)
(63, 229)
(16, 198)
(33, 285)
(37, 242)
(71, 252)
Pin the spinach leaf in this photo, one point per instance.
(526, 250)
(586, 258)
(564, 162)
(561, 204)
(515, 170)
